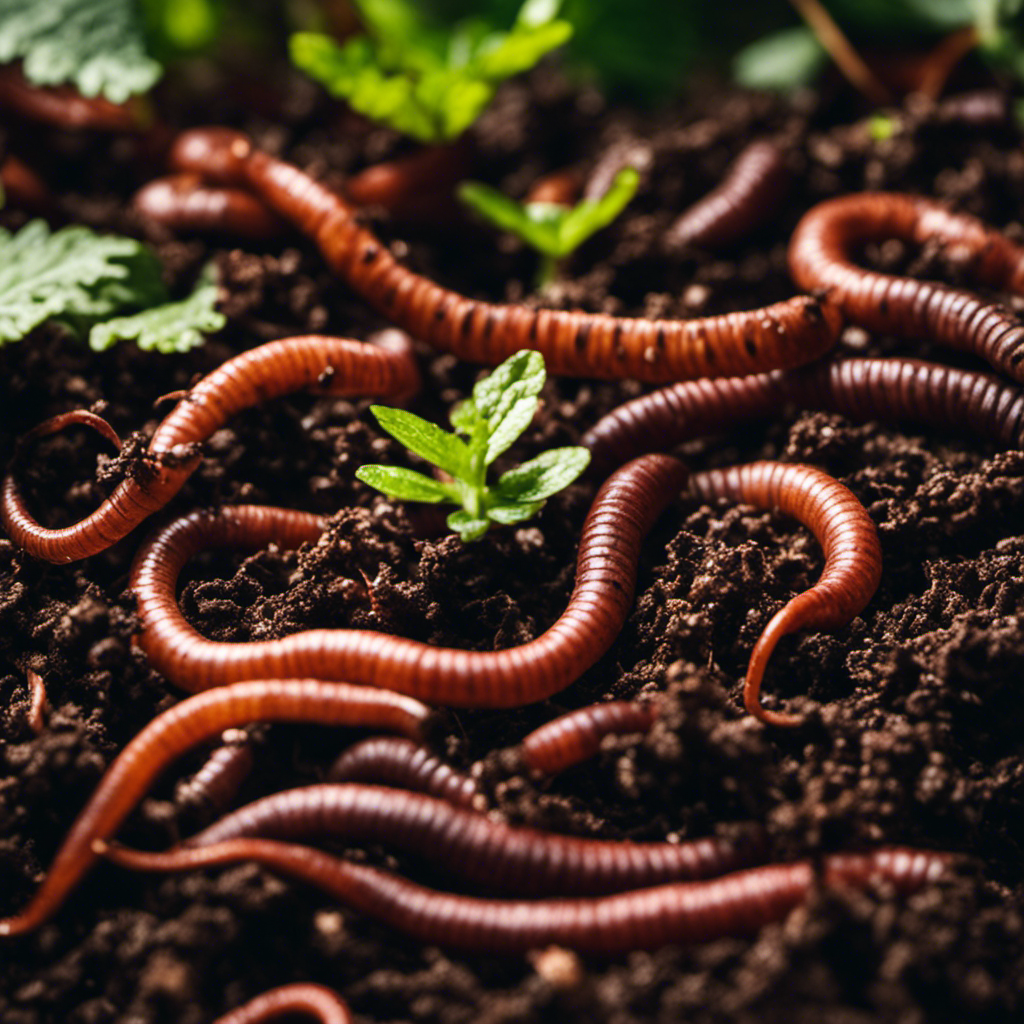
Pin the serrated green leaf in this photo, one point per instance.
(97, 45)
(512, 424)
(547, 474)
(170, 327)
(468, 527)
(424, 438)
(405, 484)
(506, 514)
(591, 215)
(782, 61)
(522, 375)
(465, 416)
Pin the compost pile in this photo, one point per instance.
(911, 733)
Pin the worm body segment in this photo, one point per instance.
(304, 998)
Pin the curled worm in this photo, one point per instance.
(625, 508)
(862, 389)
(577, 735)
(338, 365)
(576, 343)
(182, 203)
(301, 998)
(217, 782)
(191, 722)
(853, 554)
(822, 250)
(394, 761)
(735, 904)
(753, 187)
(487, 852)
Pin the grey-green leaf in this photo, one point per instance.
(468, 527)
(543, 476)
(514, 513)
(424, 438)
(781, 61)
(405, 484)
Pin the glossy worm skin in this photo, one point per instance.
(753, 187)
(474, 846)
(862, 389)
(577, 735)
(182, 203)
(217, 782)
(37, 704)
(337, 365)
(823, 247)
(576, 343)
(192, 722)
(625, 508)
(66, 107)
(853, 554)
(409, 183)
(735, 904)
(303, 998)
(394, 761)
(559, 188)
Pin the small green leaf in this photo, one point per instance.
(465, 416)
(881, 127)
(506, 514)
(593, 214)
(405, 484)
(424, 438)
(539, 231)
(512, 424)
(501, 57)
(522, 375)
(782, 61)
(543, 476)
(468, 527)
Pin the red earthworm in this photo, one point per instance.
(735, 904)
(862, 389)
(749, 194)
(37, 706)
(65, 107)
(820, 259)
(853, 554)
(182, 203)
(393, 761)
(624, 510)
(576, 343)
(338, 365)
(300, 998)
(193, 721)
(217, 782)
(577, 735)
(410, 184)
(559, 188)
(23, 187)
(472, 845)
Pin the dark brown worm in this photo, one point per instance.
(853, 554)
(736, 904)
(217, 782)
(337, 365)
(187, 724)
(23, 187)
(411, 184)
(393, 761)
(67, 108)
(750, 194)
(301, 998)
(891, 390)
(577, 736)
(182, 203)
(823, 247)
(625, 508)
(475, 847)
(576, 343)
(37, 703)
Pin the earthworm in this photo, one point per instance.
(624, 510)
(37, 705)
(23, 187)
(338, 365)
(576, 343)
(559, 188)
(853, 554)
(300, 998)
(820, 259)
(393, 761)
(191, 722)
(474, 846)
(577, 735)
(735, 904)
(410, 184)
(65, 107)
(183, 203)
(862, 389)
(751, 192)
(217, 782)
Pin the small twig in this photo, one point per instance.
(944, 58)
(849, 62)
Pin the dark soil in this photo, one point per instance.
(913, 711)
